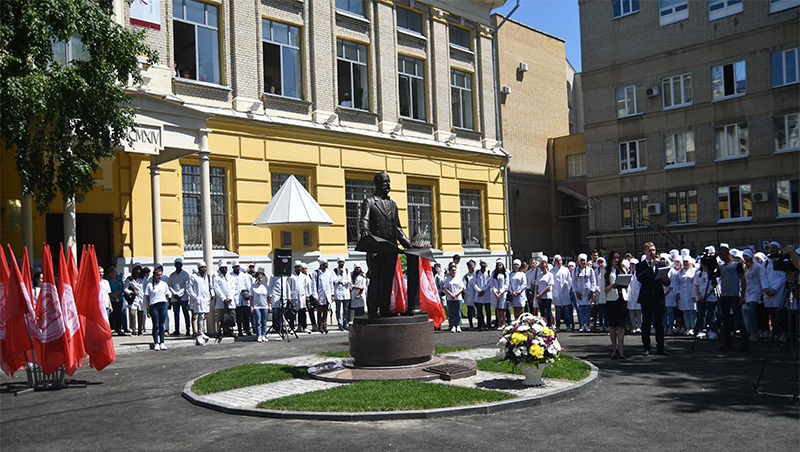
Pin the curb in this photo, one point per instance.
(579, 388)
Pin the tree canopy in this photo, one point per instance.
(64, 66)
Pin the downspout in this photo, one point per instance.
(498, 127)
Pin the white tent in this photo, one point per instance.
(292, 205)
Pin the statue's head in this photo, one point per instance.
(382, 182)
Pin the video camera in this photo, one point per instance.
(782, 262)
(709, 260)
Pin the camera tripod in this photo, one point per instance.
(791, 285)
(284, 330)
(711, 288)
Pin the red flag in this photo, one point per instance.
(428, 298)
(34, 327)
(19, 309)
(399, 291)
(54, 349)
(72, 268)
(76, 352)
(97, 337)
(8, 364)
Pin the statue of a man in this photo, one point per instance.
(379, 218)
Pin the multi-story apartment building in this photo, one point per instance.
(691, 121)
(332, 92)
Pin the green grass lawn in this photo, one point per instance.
(246, 375)
(385, 395)
(438, 351)
(565, 368)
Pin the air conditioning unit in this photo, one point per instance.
(506, 90)
(654, 208)
(761, 196)
(523, 67)
(652, 91)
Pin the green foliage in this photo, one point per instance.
(62, 119)
(246, 375)
(564, 368)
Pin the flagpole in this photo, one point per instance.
(33, 355)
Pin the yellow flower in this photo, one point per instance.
(536, 351)
(517, 338)
(549, 332)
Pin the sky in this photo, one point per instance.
(554, 17)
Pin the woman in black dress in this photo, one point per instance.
(616, 305)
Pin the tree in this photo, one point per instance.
(63, 111)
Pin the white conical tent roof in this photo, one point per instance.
(292, 205)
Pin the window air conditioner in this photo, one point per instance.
(654, 208)
(506, 90)
(523, 67)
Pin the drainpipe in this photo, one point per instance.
(498, 126)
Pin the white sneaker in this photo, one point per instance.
(690, 332)
(156, 347)
(453, 329)
(163, 347)
(259, 339)
(264, 338)
(458, 329)
(206, 338)
(701, 335)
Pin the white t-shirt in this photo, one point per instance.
(158, 292)
(258, 296)
(453, 284)
(356, 300)
(545, 280)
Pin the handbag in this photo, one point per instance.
(228, 320)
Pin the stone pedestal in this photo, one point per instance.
(391, 341)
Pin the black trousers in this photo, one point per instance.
(652, 315)
(481, 307)
(243, 319)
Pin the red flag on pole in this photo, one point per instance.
(66, 292)
(399, 296)
(428, 298)
(72, 268)
(97, 337)
(18, 310)
(33, 326)
(8, 364)
(54, 349)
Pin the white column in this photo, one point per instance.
(155, 191)
(70, 235)
(205, 216)
(27, 225)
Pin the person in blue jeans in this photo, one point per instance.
(155, 301)
(259, 306)
(453, 287)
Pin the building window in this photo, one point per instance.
(410, 20)
(628, 102)
(576, 165)
(420, 215)
(682, 207)
(625, 7)
(718, 9)
(735, 202)
(283, 72)
(286, 239)
(634, 210)
(677, 91)
(730, 141)
(780, 5)
(785, 132)
(197, 41)
(356, 7)
(471, 231)
(460, 37)
(728, 80)
(355, 192)
(307, 239)
(785, 67)
(412, 87)
(679, 148)
(192, 209)
(277, 180)
(351, 61)
(461, 96)
(632, 156)
(788, 204)
(670, 11)
(70, 50)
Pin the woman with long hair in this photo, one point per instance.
(358, 291)
(155, 301)
(134, 296)
(499, 291)
(616, 305)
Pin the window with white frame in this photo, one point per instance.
(192, 208)
(718, 9)
(679, 148)
(677, 91)
(788, 203)
(411, 78)
(625, 7)
(730, 141)
(357, 7)
(351, 61)
(197, 41)
(780, 5)
(283, 73)
(670, 11)
(461, 97)
(628, 101)
(634, 210)
(576, 165)
(786, 132)
(471, 229)
(728, 80)
(785, 67)
(410, 20)
(682, 207)
(735, 202)
(460, 37)
(355, 192)
(632, 156)
(70, 50)
(420, 215)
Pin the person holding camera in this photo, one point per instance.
(651, 298)
(773, 283)
(733, 286)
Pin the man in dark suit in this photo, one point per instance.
(651, 297)
(379, 218)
